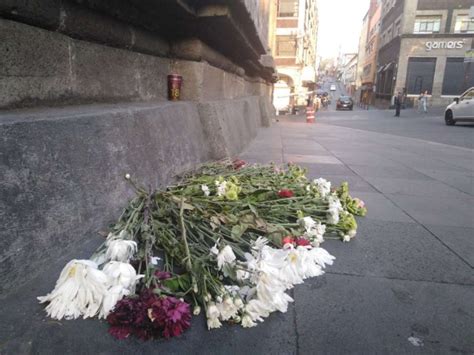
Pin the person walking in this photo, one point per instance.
(424, 102)
(398, 104)
(420, 102)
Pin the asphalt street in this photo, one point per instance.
(405, 285)
(413, 124)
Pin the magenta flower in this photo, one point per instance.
(149, 316)
(162, 275)
(172, 315)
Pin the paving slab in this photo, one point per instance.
(321, 159)
(388, 172)
(381, 208)
(437, 210)
(317, 170)
(398, 250)
(363, 158)
(25, 328)
(414, 187)
(356, 183)
(462, 181)
(459, 239)
(339, 314)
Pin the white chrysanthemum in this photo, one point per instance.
(314, 231)
(323, 186)
(225, 256)
(259, 243)
(291, 270)
(238, 302)
(213, 323)
(232, 290)
(257, 310)
(271, 292)
(321, 257)
(122, 274)
(221, 187)
(212, 314)
(247, 321)
(114, 294)
(242, 275)
(333, 210)
(79, 291)
(206, 190)
(227, 308)
(120, 250)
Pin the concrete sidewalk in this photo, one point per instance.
(404, 285)
(409, 271)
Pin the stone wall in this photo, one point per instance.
(55, 69)
(83, 100)
(61, 170)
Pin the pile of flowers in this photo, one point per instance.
(240, 237)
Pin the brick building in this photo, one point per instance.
(424, 46)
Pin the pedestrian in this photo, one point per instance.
(420, 102)
(398, 104)
(424, 102)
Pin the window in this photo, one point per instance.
(286, 46)
(453, 76)
(468, 95)
(397, 29)
(427, 24)
(366, 71)
(420, 75)
(464, 24)
(288, 8)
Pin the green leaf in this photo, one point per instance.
(178, 283)
(178, 200)
(238, 230)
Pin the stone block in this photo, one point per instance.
(192, 73)
(148, 43)
(196, 50)
(82, 23)
(43, 13)
(34, 65)
(213, 83)
(267, 111)
(152, 77)
(103, 73)
(234, 86)
(230, 125)
(61, 173)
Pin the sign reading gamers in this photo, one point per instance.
(444, 45)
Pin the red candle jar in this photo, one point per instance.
(174, 87)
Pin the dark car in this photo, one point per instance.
(344, 103)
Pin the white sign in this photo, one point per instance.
(444, 45)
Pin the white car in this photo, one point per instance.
(462, 109)
(332, 88)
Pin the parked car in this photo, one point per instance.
(344, 102)
(332, 87)
(461, 110)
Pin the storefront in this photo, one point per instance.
(438, 65)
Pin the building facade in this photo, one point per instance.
(349, 72)
(424, 47)
(294, 50)
(369, 63)
(361, 55)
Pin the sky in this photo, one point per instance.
(340, 22)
